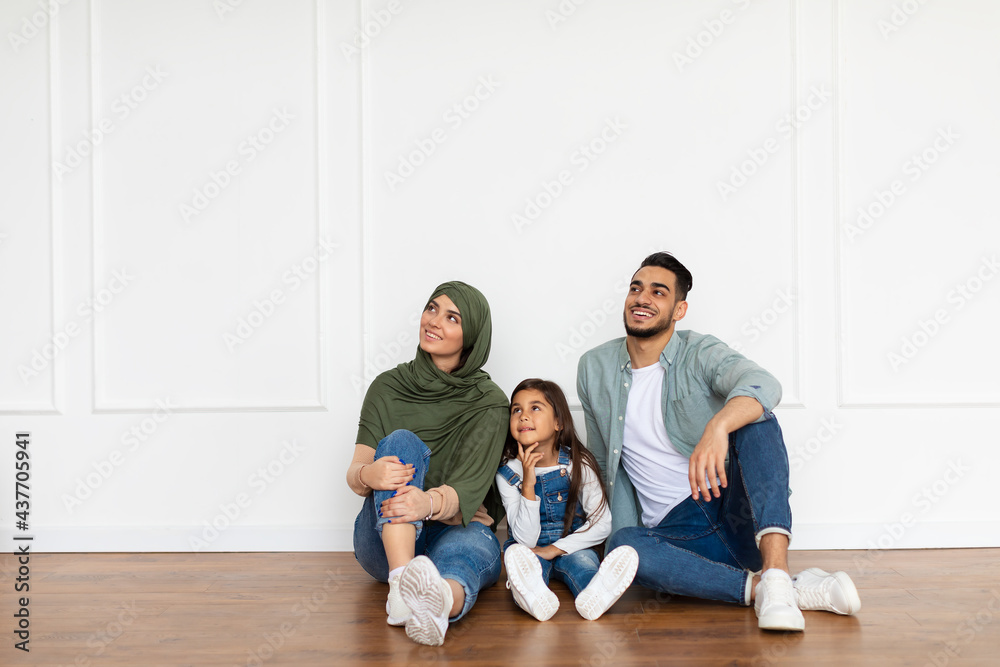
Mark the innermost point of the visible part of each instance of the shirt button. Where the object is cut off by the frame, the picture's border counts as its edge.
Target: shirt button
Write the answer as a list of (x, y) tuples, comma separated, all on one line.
[(626, 384), (620, 418), (616, 451)]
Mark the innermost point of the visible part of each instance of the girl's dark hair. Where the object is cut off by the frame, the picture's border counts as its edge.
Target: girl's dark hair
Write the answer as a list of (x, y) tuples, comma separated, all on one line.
[(566, 439)]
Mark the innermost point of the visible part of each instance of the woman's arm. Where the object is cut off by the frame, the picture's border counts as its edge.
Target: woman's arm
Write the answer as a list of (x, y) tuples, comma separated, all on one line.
[(363, 456), (365, 473), (446, 509)]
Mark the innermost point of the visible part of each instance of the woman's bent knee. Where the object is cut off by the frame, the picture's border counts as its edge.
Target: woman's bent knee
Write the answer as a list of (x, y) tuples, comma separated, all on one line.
[(403, 444)]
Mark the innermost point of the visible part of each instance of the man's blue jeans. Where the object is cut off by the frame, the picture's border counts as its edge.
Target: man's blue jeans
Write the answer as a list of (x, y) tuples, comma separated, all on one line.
[(469, 555), (708, 550)]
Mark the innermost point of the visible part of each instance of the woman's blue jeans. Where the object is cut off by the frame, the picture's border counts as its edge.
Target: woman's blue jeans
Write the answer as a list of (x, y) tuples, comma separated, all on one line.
[(708, 550), (469, 555)]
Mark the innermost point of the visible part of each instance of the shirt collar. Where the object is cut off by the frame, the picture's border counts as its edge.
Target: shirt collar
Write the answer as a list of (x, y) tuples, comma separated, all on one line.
[(670, 351), (624, 361), (666, 357)]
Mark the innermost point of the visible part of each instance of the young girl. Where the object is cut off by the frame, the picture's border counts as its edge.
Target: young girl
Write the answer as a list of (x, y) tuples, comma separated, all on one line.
[(556, 510)]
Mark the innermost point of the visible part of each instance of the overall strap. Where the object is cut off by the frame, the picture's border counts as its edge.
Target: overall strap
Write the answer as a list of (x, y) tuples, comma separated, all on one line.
[(512, 477)]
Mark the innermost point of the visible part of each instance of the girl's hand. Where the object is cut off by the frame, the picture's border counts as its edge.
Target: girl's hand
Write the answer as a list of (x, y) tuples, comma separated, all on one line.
[(548, 552), (529, 457), (408, 504), (387, 474)]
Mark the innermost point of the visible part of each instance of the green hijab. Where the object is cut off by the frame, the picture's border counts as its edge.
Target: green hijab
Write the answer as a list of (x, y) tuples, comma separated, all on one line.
[(462, 417)]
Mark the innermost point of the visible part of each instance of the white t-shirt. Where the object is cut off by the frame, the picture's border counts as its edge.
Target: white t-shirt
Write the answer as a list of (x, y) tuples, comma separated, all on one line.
[(658, 472), (524, 516)]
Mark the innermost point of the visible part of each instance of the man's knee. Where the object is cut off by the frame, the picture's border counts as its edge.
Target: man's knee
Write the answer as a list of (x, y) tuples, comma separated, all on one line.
[(767, 428), (759, 438), (629, 536)]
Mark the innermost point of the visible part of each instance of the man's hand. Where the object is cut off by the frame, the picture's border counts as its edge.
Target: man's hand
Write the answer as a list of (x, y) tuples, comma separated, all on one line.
[(548, 552), (408, 504), (387, 474), (709, 456), (708, 461)]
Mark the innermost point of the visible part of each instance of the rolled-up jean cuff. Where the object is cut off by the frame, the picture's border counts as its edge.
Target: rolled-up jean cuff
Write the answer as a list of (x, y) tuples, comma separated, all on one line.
[(419, 524), (773, 529)]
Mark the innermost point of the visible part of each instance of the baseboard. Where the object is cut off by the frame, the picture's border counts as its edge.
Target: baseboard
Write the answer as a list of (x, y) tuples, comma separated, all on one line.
[(897, 535), (63, 539)]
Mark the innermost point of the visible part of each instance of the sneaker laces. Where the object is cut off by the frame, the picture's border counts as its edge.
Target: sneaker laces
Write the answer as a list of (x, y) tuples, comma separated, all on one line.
[(816, 596), (780, 591)]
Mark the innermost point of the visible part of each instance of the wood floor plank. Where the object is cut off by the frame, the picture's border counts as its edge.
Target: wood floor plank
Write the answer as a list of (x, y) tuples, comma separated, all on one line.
[(939, 607)]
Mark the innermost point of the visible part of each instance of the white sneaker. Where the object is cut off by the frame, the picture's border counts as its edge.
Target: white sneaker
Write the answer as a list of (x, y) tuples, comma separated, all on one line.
[(395, 608), (611, 581), (429, 599), (524, 579), (817, 590), (775, 603)]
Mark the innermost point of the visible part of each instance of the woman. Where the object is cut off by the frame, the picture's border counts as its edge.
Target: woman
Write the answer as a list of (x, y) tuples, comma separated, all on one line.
[(428, 446)]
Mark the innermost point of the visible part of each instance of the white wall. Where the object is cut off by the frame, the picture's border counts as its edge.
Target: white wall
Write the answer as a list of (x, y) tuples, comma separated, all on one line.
[(419, 156)]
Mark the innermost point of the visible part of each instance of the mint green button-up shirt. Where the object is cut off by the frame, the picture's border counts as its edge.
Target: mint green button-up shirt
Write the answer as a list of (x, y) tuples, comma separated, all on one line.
[(702, 374)]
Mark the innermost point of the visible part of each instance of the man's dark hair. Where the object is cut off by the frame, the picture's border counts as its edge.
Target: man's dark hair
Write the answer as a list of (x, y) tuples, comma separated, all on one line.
[(665, 260)]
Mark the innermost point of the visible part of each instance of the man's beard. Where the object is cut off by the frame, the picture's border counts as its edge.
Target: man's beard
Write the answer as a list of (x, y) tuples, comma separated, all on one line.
[(645, 333)]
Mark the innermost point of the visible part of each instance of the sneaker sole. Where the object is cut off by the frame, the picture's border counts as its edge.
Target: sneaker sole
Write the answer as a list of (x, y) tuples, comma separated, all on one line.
[(850, 590), (420, 587), (791, 624), (612, 580), (524, 575)]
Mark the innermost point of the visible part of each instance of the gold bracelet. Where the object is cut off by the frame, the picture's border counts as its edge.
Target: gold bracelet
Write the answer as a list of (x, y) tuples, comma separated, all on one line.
[(361, 481)]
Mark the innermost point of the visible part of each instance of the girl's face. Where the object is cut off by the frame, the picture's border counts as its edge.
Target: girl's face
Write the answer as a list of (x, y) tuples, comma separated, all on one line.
[(441, 333), (532, 419)]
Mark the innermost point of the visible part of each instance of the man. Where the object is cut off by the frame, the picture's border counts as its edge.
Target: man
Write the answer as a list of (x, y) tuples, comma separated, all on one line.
[(694, 461)]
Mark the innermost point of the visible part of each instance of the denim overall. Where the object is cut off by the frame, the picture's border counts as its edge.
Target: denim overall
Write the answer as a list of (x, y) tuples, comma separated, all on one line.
[(552, 489)]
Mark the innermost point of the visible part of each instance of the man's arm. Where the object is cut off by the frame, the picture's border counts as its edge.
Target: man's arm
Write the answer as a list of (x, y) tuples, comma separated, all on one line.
[(730, 374), (708, 460), (750, 392)]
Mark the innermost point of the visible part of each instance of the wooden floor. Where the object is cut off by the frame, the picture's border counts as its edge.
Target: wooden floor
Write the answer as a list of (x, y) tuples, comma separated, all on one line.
[(321, 609)]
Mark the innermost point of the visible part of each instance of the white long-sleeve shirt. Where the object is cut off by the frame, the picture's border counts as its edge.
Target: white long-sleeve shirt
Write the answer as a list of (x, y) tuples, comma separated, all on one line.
[(524, 516)]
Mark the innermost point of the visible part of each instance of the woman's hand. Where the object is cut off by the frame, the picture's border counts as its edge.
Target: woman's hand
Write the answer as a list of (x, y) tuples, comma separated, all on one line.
[(547, 552), (408, 504), (528, 456), (387, 474)]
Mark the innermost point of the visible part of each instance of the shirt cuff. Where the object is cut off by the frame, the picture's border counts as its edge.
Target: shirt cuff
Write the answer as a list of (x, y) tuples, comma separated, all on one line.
[(449, 502)]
